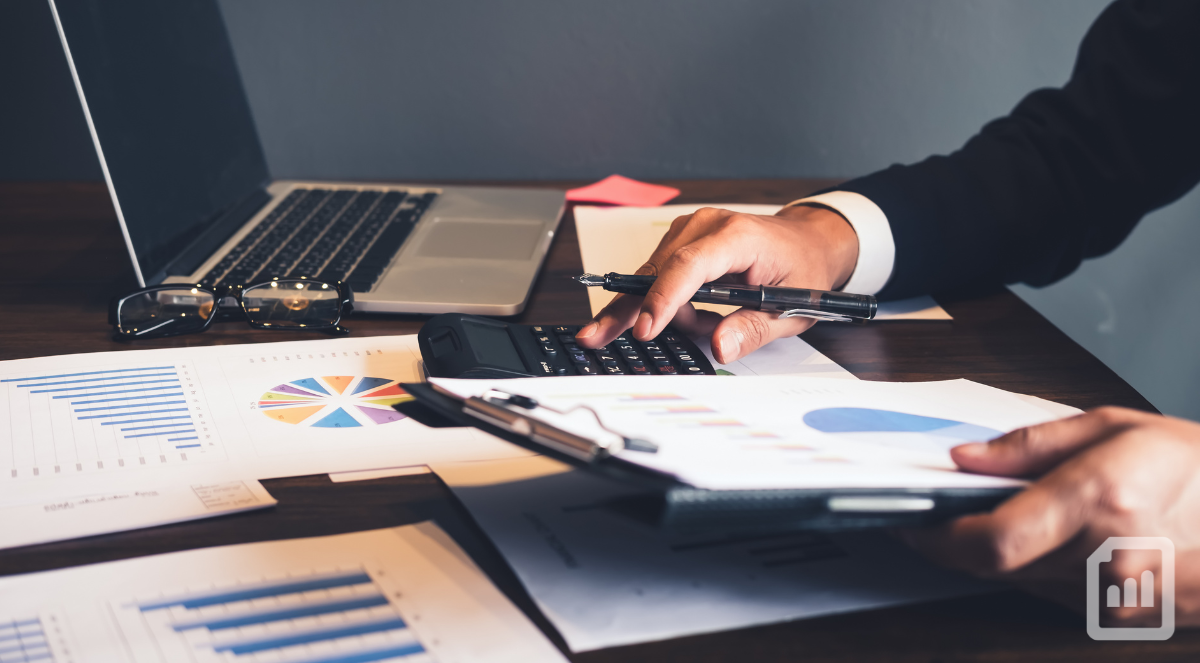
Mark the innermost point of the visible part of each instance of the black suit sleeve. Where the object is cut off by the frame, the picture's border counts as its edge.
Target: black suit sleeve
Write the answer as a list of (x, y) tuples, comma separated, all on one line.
[(1067, 174)]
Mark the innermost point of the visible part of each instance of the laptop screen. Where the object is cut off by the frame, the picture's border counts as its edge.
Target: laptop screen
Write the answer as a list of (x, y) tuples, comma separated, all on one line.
[(170, 117)]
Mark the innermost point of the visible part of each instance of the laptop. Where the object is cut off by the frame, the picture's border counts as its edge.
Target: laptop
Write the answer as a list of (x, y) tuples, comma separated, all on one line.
[(189, 180)]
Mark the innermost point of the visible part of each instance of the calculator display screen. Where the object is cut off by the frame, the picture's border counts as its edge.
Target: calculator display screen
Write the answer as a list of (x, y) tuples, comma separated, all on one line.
[(492, 346)]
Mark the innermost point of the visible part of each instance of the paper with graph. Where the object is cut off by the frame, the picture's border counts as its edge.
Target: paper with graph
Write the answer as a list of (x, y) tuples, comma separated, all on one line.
[(403, 594), (784, 431), (257, 411), (136, 430)]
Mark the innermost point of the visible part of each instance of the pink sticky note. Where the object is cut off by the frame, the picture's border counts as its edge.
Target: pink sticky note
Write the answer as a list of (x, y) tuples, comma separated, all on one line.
[(618, 190)]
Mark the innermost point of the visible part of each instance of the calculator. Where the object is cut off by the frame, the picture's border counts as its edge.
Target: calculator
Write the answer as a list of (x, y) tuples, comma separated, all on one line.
[(456, 345)]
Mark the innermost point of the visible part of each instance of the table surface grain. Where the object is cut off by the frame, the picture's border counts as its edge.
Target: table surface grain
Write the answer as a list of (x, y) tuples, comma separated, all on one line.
[(62, 257)]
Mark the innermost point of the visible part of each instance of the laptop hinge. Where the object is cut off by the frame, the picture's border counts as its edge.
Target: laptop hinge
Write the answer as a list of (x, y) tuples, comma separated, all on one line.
[(220, 228)]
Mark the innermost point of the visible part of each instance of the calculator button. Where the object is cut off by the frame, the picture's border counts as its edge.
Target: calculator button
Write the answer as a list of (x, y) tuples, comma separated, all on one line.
[(651, 346), (549, 350), (658, 356), (677, 348), (543, 339), (631, 357), (622, 339), (579, 358), (562, 330), (666, 370), (693, 369), (639, 370), (587, 369), (537, 331), (560, 371), (605, 357), (669, 338), (661, 362), (566, 338), (685, 359), (613, 370)]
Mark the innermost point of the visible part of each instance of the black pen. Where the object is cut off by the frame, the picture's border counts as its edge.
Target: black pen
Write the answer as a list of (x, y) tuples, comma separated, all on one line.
[(788, 302)]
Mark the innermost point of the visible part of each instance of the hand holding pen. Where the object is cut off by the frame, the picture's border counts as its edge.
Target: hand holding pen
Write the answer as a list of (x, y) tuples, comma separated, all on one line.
[(802, 247)]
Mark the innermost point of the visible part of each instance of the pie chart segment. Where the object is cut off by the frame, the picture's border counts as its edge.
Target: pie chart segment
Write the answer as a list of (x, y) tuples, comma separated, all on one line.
[(334, 401)]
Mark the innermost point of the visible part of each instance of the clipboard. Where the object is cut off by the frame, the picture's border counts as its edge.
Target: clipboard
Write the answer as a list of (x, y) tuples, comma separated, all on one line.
[(663, 501)]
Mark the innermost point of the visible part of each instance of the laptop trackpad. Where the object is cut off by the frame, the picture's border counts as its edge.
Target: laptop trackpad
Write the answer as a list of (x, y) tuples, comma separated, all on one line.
[(477, 238)]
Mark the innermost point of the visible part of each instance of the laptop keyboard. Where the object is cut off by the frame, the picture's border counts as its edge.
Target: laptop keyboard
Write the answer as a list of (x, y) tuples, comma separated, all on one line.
[(331, 235)]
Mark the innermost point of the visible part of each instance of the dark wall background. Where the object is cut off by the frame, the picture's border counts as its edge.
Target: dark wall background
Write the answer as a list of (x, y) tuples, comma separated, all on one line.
[(462, 89), (528, 89), (43, 135)]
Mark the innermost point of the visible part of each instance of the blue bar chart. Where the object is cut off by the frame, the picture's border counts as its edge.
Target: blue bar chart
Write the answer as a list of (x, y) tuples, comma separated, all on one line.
[(24, 640), (339, 616), (103, 418)]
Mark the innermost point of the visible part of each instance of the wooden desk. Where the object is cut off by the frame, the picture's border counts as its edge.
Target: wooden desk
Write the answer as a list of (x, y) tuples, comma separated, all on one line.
[(62, 257)]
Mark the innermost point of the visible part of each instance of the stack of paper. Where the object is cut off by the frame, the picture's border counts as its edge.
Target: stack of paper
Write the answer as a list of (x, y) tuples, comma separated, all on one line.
[(782, 432), (604, 579)]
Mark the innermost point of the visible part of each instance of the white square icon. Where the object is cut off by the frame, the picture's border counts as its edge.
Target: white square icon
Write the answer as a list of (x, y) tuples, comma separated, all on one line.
[(1134, 592)]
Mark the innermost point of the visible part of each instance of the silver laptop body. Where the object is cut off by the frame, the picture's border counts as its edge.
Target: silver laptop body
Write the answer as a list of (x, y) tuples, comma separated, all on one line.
[(474, 250), (176, 141)]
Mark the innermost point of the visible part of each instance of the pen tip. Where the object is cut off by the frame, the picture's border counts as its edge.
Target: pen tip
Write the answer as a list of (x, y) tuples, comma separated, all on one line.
[(590, 279)]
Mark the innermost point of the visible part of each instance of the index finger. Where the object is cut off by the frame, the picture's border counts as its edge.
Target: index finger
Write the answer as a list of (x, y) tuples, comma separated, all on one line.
[(688, 267), (1027, 526)]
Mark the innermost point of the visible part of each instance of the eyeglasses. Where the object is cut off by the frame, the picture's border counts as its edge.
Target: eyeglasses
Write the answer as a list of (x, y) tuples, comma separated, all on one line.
[(172, 309)]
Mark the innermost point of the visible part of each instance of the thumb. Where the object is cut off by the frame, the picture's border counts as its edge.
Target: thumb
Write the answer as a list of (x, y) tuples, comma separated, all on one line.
[(1034, 450), (746, 330)]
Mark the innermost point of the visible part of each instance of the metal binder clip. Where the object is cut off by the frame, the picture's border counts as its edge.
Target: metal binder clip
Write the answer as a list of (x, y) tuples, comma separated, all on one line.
[(504, 399)]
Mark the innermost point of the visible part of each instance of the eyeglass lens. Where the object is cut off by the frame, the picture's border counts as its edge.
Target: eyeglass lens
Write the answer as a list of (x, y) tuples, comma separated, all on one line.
[(292, 303), (174, 311)]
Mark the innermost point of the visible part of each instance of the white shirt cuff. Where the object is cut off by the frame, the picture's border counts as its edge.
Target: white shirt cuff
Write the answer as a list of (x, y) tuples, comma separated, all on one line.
[(876, 248)]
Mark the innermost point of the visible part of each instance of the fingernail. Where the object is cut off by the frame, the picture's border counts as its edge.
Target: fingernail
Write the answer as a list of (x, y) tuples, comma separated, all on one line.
[(644, 323), (973, 449), (731, 343), (588, 330)]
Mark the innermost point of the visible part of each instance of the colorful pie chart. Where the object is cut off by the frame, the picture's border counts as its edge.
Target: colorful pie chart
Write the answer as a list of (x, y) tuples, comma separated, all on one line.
[(334, 401)]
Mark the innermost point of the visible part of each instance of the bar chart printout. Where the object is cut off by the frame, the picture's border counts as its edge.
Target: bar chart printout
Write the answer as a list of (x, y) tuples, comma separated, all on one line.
[(340, 616), (23, 640), (103, 418), (404, 595)]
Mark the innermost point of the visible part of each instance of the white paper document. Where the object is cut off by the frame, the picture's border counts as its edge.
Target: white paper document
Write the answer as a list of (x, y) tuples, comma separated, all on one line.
[(620, 239), (159, 421), (403, 594), (259, 411), (37, 517), (782, 432), (604, 580), (790, 355)]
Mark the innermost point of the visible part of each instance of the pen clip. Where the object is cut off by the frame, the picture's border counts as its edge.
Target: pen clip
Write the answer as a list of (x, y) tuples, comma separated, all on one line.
[(817, 315)]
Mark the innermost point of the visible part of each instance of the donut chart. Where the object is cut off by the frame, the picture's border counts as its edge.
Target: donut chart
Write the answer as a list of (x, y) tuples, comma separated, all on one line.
[(334, 401)]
